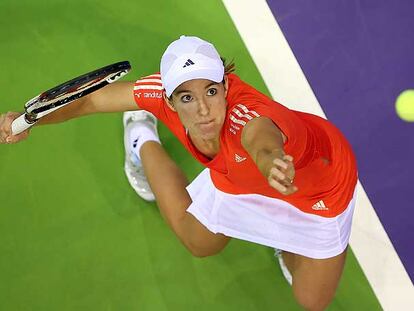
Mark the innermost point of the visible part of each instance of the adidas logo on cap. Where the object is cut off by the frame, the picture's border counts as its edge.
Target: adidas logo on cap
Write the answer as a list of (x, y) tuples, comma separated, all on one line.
[(189, 62)]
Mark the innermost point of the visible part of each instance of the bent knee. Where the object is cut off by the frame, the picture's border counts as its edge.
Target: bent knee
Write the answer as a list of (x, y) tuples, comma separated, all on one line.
[(314, 301), (202, 251), (207, 247)]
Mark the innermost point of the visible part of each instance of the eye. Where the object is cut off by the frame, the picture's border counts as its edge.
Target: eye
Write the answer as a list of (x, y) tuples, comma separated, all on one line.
[(212, 91), (186, 98)]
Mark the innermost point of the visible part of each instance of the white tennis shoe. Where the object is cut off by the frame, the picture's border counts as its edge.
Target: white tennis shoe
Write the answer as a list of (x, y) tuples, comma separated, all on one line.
[(283, 267), (133, 166)]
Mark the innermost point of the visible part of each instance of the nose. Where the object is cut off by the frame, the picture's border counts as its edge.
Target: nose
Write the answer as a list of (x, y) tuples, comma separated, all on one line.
[(203, 107)]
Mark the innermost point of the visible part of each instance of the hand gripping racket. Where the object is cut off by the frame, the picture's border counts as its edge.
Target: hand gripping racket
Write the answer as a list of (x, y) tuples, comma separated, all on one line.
[(65, 93)]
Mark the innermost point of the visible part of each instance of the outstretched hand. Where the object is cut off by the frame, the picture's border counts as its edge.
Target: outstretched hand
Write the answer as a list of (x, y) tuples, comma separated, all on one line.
[(281, 175), (6, 136)]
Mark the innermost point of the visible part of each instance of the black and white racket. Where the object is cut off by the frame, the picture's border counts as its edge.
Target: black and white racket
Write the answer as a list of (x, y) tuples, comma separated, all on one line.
[(65, 93)]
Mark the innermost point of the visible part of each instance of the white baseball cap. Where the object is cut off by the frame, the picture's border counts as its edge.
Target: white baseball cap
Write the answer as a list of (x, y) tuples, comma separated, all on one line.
[(190, 58)]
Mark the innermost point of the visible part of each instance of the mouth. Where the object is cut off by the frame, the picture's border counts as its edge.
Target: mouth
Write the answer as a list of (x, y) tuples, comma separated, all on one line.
[(208, 125), (208, 122)]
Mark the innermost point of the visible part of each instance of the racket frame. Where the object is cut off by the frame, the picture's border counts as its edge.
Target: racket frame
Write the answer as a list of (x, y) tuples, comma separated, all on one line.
[(65, 93)]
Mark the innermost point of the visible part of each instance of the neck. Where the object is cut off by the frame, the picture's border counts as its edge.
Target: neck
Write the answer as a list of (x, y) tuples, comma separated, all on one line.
[(208, 147)]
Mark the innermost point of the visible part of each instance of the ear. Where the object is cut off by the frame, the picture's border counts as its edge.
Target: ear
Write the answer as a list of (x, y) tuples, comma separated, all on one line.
[(168, 102), (226, 84)]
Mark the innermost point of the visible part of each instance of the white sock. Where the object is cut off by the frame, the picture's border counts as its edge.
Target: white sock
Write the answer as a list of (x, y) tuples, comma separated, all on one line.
[(140, 135)]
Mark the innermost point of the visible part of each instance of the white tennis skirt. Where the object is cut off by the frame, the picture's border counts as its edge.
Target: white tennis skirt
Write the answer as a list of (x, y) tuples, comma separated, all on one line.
[(269, 221)]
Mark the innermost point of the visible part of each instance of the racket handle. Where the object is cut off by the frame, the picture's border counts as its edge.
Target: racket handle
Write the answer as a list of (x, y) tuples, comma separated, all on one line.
[(20, 125)]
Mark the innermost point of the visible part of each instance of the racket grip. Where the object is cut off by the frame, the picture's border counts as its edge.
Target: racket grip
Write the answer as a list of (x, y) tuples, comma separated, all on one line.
[(20, 124)]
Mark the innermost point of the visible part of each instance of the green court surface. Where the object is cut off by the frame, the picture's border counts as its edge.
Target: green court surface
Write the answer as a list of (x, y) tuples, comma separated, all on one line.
[(73, 234)]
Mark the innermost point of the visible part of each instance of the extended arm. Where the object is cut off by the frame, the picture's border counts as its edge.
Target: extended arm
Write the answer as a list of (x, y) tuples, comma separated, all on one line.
[(263, 140), (115, 97)]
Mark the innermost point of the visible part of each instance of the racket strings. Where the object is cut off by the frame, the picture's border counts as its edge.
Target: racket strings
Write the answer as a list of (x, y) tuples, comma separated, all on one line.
[(76, 90)]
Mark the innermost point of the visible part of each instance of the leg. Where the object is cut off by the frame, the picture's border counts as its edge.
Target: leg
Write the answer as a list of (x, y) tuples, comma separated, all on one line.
[(168, 183), (314, 280)]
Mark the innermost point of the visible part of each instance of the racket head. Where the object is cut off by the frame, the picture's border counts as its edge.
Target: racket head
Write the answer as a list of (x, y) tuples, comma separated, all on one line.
[(71, 90)]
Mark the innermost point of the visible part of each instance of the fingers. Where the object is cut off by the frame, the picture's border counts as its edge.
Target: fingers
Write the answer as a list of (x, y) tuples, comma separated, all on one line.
[(282, 186), (3, 134), (281, 175), (285, 190), (5, 130), (16, 138), (280, 163), (6, 135), (285, 167), (280, 182)]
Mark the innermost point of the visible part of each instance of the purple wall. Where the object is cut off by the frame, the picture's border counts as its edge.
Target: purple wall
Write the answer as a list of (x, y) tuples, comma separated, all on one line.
[(358, 56)]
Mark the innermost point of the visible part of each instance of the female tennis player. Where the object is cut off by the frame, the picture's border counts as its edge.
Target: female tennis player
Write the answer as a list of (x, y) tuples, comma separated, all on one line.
[(274, 176)]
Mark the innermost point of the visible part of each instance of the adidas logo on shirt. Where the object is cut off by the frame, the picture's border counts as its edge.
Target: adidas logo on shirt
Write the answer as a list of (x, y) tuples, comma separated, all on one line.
[(320, 206), (189, 62), (239, 158)]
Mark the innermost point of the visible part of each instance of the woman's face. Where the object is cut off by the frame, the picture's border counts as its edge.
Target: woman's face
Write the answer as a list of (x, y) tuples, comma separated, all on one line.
[(201, 106)]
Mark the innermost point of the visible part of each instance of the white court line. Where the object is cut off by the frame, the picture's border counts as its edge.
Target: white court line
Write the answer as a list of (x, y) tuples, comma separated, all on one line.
[(287, 84)]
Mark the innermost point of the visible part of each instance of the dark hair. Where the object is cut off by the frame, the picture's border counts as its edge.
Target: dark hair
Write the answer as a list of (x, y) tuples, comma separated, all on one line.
[(228, 67)]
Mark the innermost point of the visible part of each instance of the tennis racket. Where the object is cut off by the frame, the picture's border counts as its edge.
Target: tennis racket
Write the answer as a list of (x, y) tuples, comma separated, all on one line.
[(65, 93)]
